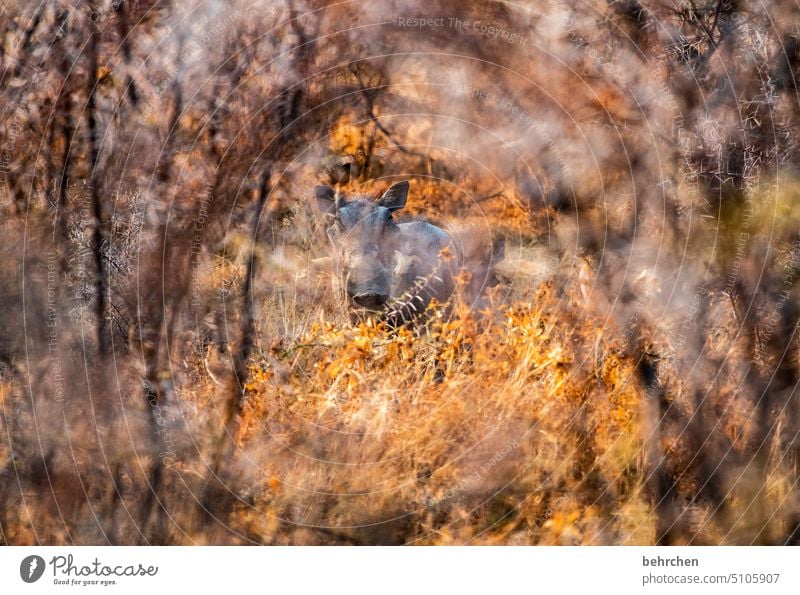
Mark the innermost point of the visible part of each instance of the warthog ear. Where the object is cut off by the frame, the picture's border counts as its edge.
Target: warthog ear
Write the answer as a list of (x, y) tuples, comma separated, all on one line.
[(326, 199), (395, 197)]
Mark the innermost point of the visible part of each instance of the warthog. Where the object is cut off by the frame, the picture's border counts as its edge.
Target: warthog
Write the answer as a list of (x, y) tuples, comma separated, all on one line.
[(390, 270)]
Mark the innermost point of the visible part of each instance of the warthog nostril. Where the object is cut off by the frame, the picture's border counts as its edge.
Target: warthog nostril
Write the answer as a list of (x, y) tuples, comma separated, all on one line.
[(370, 300)]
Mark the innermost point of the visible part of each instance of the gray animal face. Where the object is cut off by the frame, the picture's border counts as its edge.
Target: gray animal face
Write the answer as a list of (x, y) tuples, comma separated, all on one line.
[(365, 238)]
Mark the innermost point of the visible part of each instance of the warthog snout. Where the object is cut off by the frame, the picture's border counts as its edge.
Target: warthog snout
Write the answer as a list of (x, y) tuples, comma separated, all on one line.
[(369, 280)]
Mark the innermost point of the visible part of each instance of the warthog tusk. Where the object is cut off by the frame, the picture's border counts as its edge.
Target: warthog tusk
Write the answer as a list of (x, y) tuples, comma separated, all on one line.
[(404, 262)]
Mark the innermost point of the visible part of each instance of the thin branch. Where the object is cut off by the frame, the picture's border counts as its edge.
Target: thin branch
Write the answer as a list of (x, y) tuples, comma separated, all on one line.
[(98, 236)]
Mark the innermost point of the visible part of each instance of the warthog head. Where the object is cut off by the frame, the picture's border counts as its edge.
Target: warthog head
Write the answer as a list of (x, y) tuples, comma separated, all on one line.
[(380, 260), (363, 234)]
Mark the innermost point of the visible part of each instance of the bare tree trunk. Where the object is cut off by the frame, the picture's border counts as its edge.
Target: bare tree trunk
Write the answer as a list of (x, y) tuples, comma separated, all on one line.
[(98, 238), (27, 38), (156, 338), (660, 486), (64, 111), (123, 27), (232, 416), (236, 399)]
